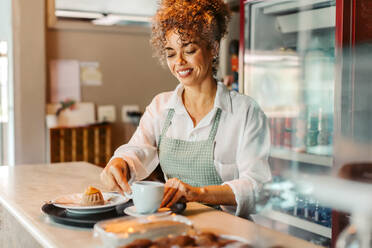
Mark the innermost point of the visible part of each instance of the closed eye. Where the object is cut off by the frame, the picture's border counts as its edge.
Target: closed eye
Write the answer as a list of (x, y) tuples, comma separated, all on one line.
[(191, 52), (169, 52)]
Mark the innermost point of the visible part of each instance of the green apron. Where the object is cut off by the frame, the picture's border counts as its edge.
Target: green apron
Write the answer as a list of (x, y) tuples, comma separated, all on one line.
[(190, 161)]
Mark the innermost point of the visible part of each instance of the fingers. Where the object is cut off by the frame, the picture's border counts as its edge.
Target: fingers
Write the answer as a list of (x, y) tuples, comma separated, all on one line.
[(175, 199), (115, 185), (120, 175), (170, 189), (168, 195), (115, 176), (174, 190), (110, 182)]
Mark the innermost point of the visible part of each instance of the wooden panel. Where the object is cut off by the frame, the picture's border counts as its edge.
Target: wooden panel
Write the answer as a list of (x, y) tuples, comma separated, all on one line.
[(96, 145), (85, 144), (62, 145), (108, 145), (89, 143), (73, 145)]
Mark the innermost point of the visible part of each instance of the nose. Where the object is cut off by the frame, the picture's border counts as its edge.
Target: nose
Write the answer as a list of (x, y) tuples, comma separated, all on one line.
[(180, 60)]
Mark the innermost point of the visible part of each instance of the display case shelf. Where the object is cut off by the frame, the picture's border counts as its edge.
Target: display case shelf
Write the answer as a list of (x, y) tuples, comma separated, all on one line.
[(274, 8), (298, 222), (287, 154)]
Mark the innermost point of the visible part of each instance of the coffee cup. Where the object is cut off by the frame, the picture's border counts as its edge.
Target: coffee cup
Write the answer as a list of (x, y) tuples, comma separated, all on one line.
[(146, 196)]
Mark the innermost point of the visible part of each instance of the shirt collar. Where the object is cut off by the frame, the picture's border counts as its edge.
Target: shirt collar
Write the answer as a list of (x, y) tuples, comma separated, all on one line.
[(222, 100), (175, 102)]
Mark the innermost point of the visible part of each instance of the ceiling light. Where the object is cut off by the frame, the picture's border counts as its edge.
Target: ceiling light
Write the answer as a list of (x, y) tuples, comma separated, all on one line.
[(78, 14), (114, 19)]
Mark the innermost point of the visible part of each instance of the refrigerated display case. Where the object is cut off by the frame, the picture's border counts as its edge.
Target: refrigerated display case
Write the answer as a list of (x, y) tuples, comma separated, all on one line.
[(307, 65), (287, 64)]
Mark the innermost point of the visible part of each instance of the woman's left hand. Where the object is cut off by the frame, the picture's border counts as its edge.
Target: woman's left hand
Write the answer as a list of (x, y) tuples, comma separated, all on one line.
[(177, 191)]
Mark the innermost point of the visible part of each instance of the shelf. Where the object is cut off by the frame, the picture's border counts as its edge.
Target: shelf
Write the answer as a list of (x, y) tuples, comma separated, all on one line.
[(298, 222), (287, 154), (285, 7), (310, 20)]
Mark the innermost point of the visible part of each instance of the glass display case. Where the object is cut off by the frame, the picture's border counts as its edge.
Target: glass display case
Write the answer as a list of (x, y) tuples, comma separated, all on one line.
[(307, 63), (287, 64)]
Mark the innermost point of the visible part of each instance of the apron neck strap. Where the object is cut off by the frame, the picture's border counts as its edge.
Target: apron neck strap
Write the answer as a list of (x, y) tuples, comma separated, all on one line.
[(167, 122), (212, 133)]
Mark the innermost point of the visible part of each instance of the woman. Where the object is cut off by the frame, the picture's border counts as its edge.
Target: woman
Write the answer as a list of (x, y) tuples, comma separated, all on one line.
[(212, 144)]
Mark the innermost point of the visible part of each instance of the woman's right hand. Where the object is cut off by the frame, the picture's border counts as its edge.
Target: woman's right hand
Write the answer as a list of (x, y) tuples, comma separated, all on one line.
[(116, 175)]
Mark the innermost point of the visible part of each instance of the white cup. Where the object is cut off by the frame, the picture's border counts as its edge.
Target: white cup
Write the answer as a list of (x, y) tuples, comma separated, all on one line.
[(147, 196)]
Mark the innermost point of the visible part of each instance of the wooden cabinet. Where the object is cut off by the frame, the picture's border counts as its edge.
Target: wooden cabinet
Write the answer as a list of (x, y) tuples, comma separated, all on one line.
[(88, 143)]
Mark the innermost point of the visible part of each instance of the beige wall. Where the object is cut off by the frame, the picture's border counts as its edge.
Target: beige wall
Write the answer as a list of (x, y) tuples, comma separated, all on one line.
[(130, 74), (29, 80)]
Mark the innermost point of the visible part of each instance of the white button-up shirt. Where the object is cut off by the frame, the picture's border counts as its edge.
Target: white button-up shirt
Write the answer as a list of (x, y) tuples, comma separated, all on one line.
[(242, 142)]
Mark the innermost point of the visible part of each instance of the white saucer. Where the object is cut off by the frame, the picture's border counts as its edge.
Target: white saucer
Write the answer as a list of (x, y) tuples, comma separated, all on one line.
[(132, 212)]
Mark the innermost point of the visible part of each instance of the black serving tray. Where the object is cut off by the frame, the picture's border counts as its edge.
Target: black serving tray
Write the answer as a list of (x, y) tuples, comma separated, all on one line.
[(62, 216)]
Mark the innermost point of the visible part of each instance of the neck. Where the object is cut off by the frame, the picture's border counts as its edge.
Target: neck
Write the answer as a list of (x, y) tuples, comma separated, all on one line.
[(201, 96)]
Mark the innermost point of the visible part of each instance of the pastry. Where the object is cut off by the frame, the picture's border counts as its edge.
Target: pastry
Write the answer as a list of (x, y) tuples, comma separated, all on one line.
[(92, 197), (204, 239), (140, 243), (182, 241)]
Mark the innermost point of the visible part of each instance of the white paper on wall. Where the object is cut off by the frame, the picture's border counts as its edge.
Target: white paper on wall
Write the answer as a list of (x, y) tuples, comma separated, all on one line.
[(90, 74), (64, 80)]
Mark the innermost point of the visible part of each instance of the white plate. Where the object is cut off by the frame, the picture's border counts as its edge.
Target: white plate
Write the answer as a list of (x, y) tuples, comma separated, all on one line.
[(132, 212), (111, 201)]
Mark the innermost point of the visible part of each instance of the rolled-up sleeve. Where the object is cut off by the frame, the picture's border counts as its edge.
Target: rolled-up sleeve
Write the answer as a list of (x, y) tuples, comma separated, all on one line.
[(252, 162)]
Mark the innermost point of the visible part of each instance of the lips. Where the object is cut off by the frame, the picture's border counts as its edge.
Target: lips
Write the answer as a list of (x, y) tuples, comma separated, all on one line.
[(184, 72)]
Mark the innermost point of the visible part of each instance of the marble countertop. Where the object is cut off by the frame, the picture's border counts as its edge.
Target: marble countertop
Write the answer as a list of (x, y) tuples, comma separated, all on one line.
[(25, 188)]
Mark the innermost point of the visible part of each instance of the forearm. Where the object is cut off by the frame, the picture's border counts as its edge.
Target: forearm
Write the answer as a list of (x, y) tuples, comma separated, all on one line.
[(215, 195), (140, 159)]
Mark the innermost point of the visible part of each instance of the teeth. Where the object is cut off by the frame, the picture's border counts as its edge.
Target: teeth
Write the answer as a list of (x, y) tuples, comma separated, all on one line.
[(183, 73)]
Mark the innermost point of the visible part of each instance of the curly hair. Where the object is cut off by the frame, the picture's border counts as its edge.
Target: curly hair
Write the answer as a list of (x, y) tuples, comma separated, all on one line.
[(204, 21)]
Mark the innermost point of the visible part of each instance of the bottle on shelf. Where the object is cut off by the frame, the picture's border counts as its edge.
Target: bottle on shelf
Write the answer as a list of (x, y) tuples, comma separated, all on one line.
[(299, 131), (322, 144), (299, 208), (312, 130), (323, 135), (288, 129), (316, 212)]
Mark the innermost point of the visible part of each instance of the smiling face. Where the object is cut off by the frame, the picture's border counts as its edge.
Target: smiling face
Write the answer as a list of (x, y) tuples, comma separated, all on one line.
[(189, 62)]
